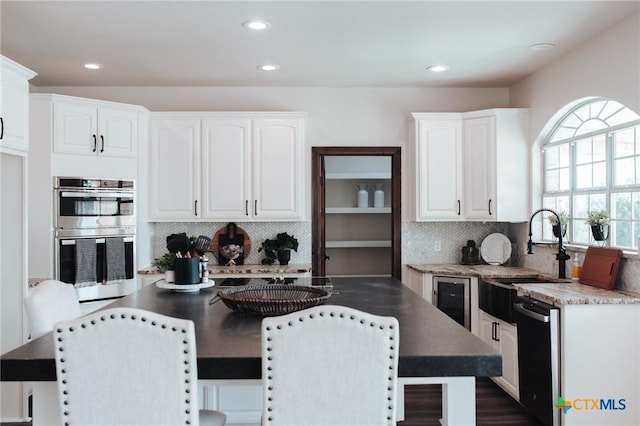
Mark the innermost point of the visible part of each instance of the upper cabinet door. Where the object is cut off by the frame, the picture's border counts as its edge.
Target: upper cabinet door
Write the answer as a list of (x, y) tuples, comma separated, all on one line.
[(480, 200), (278, 147), (438, 157), (174, 180), (226, 168), (497, 165), (118, 132), (75, 129), (86, 129), (14, 106)]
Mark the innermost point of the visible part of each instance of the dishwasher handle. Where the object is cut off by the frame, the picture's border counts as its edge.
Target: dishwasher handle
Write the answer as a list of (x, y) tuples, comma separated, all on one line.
[(533, 315)]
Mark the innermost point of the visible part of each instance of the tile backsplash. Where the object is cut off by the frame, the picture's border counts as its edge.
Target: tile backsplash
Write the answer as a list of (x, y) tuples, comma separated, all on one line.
[(257, 232), (418, 243)]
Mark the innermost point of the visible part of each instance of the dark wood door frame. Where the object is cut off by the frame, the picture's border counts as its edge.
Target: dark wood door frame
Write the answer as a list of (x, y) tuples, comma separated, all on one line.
[(318, 190)]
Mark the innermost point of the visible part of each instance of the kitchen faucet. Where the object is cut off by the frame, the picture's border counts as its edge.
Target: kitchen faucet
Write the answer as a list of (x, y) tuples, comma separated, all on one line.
[(562, 255)]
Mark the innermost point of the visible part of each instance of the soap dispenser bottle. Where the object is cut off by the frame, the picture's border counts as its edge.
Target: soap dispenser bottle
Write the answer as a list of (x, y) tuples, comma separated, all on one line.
[(576, 268)]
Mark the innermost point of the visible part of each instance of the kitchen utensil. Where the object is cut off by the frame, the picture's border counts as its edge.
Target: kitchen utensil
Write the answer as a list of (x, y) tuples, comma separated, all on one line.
[(202, 245), (495, 249), (600, 267), (178, 243)]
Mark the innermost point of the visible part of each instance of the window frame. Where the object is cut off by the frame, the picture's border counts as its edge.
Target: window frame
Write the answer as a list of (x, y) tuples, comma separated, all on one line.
[(568, 194)]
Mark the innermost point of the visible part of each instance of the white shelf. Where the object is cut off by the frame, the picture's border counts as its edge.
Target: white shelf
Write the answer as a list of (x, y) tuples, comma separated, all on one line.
[(357, 210), (357, 244), (371, 175)]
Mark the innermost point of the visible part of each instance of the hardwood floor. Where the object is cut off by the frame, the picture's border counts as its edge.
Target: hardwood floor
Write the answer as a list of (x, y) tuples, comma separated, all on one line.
[(423, 406)]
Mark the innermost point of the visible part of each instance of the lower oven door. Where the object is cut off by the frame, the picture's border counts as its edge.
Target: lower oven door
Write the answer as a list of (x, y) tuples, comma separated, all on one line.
[(105, 268)]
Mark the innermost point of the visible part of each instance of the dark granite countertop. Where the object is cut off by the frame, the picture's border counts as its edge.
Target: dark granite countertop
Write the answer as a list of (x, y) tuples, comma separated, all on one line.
[(431, 344)]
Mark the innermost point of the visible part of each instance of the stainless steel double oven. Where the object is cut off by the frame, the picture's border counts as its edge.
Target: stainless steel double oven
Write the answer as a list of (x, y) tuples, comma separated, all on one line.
[(95, 236)]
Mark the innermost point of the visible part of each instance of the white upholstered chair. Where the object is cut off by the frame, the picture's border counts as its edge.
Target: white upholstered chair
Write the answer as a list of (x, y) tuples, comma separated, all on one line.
[(49, 302), (125, 366), (329, 365)]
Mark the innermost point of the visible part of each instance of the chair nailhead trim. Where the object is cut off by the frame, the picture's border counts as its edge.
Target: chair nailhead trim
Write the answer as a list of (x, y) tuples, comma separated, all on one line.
[(372, 324), (133, 317)]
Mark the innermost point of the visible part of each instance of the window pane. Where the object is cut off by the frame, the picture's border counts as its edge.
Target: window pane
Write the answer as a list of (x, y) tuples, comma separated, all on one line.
[(552, 182), (624, 172), (599, 148), (621, 206), (622, 234), (583, 151), (584, 177), (624, 143), (599, 175)]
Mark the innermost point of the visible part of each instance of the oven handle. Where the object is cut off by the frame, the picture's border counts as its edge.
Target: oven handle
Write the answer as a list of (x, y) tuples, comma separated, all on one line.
[(67, 242), (80, 194), (534, 315)]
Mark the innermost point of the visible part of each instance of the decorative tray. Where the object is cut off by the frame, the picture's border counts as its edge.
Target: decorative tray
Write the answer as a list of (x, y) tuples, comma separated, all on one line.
[(272, 299), (183, 288)]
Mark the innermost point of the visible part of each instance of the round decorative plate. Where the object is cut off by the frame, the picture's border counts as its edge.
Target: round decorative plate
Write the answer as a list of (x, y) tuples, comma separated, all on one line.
[(495, 249), (184, 288)]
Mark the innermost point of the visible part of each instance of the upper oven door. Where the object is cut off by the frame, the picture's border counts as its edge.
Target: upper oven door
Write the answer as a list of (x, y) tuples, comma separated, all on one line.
[(90, 208)]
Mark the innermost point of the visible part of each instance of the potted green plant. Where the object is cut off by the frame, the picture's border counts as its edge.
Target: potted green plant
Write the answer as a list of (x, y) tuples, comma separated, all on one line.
[(559, 228), (279, 248), (165, 263), (599, 221)]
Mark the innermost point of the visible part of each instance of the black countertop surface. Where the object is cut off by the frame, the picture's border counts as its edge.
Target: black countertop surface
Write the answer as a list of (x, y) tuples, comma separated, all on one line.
[(431, 344)]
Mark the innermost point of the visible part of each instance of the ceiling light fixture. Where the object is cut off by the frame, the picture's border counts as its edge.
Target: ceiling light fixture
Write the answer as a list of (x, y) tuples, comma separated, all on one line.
[(268, 67), (256, 25), (542, 46), (438, 68), (93, 66)]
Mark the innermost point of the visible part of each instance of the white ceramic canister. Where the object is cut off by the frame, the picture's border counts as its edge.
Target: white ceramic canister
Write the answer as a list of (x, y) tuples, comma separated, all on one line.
[(378, 196), (362, 195)]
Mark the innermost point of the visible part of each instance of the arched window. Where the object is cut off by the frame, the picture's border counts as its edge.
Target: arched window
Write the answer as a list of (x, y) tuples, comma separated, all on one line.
[(591, 161)]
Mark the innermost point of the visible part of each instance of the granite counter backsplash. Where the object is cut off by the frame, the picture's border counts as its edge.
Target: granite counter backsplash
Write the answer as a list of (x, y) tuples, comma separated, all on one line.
[(248, 269), (577, 294), (566, 292)]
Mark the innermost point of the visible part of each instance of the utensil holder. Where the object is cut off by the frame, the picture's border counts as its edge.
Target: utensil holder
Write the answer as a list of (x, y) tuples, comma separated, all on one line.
[(187, 271)]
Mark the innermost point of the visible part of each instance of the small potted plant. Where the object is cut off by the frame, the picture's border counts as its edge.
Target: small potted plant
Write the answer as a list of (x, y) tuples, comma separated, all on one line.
[(165, 263), (280, 249), (559, 228), (599, 221)]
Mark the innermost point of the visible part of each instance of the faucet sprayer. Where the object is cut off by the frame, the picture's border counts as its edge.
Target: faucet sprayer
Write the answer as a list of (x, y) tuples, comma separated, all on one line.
[(562, 255)]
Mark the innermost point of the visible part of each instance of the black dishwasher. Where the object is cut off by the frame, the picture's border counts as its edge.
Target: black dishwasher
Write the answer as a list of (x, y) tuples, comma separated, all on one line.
[(538, 358)]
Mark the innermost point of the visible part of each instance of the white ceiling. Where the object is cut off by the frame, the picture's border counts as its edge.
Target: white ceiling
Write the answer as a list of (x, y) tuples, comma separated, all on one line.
[(316, 43)]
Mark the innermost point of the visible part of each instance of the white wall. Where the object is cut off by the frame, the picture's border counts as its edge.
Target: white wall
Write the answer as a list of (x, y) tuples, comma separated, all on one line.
[(609, 66)]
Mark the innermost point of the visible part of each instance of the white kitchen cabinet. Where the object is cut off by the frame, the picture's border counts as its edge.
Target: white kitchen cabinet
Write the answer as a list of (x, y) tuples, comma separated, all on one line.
[(14, 107), (227, 166), (437, 153), (254, 168), (174, 166), (87, 128), (503, 337), (496, 165)]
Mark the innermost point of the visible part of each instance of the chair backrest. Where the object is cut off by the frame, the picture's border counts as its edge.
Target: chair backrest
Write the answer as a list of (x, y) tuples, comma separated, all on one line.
[(329, 365), (49, 302), (126, 366)]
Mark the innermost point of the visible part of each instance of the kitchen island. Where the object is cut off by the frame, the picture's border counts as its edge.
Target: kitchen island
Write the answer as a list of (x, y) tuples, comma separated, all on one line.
[(433, 347)]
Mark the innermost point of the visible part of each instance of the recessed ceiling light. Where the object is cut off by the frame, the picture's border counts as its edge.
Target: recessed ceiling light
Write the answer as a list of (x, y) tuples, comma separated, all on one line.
[(93, 66), (256, 25), (268, 67), (542, 46), (438, 68)]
